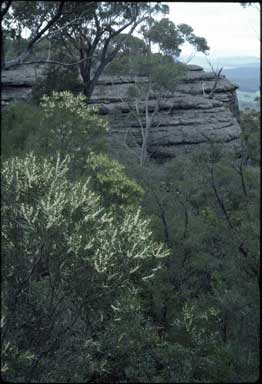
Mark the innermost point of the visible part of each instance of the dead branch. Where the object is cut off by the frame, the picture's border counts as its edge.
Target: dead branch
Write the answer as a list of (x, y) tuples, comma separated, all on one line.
[(217, 73)]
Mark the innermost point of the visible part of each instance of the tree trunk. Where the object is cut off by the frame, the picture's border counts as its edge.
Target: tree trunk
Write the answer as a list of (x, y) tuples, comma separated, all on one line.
[(90, 82), (2, 51), (145, 137)]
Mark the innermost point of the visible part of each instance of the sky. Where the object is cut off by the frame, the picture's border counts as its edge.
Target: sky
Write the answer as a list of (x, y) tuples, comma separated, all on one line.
[(229, 29)]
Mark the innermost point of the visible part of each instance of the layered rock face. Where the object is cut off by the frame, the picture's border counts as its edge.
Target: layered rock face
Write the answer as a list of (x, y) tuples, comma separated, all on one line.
[(16, 84), (187, 119)]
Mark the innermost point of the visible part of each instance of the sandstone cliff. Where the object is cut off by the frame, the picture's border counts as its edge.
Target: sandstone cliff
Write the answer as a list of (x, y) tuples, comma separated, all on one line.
[(188, 118)]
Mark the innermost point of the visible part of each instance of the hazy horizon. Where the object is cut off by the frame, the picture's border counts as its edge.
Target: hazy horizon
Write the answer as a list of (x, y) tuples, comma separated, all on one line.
[(226, 61)]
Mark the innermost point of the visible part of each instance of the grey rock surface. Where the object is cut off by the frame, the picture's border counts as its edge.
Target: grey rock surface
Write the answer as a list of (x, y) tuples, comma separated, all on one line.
[(16, 84), (187, 120)]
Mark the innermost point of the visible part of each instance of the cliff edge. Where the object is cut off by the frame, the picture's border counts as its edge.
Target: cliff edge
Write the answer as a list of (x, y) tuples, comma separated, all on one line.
[(187, 118)]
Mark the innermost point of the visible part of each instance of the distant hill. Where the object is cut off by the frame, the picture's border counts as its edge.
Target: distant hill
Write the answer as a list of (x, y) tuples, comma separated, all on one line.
[(238, 61), (248, 78), (247, 100), (227, 62)]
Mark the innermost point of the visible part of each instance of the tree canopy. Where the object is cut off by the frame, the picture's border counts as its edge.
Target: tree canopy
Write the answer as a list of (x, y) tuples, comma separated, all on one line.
[(93, 32)]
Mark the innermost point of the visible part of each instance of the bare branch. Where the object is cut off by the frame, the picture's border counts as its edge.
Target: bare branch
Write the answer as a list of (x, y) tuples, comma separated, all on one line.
[(54, 62), (49, 24), (60, 29), (162, 216), (98, 27), (41, 22), (39, 34), (118, 46), (139, 119), (217, 73), (217, 77), (220, 202)]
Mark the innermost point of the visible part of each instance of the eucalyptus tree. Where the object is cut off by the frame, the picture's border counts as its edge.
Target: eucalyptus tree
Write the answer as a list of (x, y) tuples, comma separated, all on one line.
[(91, 38), (37, 16), (85, 28)]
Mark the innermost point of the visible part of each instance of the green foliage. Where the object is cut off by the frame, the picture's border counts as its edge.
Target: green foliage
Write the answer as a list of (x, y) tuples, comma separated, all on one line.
[(72, 273), (19, 121), (56, 79), (88, 292), (136, 57), (165, 34), (161, 70), (130, 45), (251, 135), (166, 75), (109, 181), (170, 37), (206, 208), (13, 44), (69, 126), (199, 43), (70, 122), (62, 123), (30, 14)]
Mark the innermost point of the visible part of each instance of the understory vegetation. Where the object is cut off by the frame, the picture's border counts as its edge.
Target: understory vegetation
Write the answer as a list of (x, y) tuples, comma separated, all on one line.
[(117, 269), (89, 292)]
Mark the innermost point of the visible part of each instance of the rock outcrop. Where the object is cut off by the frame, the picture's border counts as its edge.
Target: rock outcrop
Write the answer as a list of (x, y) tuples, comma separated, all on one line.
[(187, 120), (16, 84)]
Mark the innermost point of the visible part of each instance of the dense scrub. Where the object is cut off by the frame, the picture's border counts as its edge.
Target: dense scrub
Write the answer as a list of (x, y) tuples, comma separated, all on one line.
[(88, 292)]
